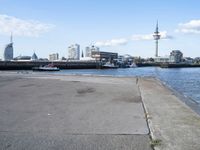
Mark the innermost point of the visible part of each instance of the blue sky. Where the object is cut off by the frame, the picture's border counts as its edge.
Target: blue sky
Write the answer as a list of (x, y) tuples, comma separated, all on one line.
[(48, 26)]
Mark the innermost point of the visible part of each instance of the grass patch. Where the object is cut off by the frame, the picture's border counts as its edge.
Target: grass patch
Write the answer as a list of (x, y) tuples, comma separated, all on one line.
[(156, 142)]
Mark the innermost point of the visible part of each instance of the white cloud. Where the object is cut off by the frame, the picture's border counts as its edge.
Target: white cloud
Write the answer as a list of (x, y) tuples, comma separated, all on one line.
[(165, 35), (20, 27), (136, 37), (113, 42), (139, 37), (192, 26)]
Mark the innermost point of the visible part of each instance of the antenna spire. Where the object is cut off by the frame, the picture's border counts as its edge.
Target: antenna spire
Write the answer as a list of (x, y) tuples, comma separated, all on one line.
[(11, 38), (157, 27)]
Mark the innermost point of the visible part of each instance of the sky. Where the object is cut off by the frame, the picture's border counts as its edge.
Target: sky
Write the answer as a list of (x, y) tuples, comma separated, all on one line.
[(122, 26)]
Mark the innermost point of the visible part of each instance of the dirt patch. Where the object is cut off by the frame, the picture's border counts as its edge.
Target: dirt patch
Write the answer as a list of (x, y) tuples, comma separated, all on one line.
[(86, 90), (128, 100), (27, 85), (75, 81)]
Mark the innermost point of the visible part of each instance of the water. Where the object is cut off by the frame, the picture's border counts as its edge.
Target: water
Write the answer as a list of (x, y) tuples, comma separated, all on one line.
[(184, 80)]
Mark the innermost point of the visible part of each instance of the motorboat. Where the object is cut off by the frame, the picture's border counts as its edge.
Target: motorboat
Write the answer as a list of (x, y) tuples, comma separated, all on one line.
[(109, 65), (49, 67), (133, 65)]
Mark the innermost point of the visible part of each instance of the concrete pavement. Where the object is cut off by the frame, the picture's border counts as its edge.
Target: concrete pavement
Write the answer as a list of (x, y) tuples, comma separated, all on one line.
[(71, 112), (40, 111), (173, 125)]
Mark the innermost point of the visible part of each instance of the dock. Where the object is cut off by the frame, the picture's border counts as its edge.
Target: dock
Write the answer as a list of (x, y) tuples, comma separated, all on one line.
[(79, 112)]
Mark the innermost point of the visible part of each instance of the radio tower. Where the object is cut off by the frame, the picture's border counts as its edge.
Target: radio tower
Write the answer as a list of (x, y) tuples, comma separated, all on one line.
[(156, 38)]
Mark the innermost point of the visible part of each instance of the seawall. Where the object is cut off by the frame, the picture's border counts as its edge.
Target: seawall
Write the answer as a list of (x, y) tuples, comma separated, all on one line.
[(173, 124), (28, 65)]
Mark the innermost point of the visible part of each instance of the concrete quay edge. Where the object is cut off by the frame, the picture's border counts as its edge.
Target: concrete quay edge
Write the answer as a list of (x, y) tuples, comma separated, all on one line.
[(173, 125)]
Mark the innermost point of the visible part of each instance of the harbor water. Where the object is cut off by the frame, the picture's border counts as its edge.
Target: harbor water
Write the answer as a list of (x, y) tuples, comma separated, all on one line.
[(185, 81)]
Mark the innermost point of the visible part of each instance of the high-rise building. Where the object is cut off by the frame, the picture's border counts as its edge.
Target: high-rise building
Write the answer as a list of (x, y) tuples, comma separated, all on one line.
[(176, 56), (74, 52), (88, 50), (8, 51), (54, 56)]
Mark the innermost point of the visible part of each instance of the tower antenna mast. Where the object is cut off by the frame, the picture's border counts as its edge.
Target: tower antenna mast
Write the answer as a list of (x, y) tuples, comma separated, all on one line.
[(156, 36)]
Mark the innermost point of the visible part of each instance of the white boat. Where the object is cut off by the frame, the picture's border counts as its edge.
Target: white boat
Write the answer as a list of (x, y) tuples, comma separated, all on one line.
[(49, 67), (133, 65), (109, 65)]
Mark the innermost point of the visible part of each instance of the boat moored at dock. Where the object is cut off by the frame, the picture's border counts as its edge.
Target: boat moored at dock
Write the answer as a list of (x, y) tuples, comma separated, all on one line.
[(49, 67)]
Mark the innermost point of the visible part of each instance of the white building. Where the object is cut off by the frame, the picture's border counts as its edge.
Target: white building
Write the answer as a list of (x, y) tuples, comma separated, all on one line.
[(125, 58), (88, 50), (165, 59), (74, 52), (54, 56), (188, 60), (8, 52), (176, 56)]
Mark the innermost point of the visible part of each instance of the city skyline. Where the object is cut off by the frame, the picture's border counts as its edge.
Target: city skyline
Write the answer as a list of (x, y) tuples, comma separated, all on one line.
[(123, 27)]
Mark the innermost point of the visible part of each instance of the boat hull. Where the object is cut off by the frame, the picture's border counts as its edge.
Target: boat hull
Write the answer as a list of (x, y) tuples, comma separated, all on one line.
[(109, 67), (45, 69)]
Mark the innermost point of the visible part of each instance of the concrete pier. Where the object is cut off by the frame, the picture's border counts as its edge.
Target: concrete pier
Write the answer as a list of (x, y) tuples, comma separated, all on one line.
[(40, 111), (71, 112), (173, 125)]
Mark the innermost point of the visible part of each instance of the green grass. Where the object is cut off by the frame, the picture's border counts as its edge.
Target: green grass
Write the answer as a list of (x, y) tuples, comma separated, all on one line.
[(156, 142)]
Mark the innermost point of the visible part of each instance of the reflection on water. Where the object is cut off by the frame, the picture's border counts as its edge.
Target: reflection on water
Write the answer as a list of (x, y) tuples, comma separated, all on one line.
[(183, 80)]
